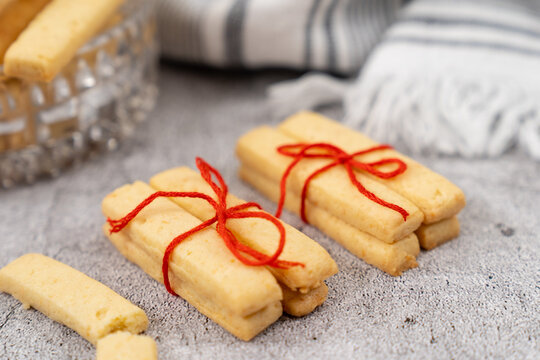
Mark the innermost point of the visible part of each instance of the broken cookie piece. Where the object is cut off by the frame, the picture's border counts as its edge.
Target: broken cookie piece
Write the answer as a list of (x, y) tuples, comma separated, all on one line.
[(123, 345), (70, 297)]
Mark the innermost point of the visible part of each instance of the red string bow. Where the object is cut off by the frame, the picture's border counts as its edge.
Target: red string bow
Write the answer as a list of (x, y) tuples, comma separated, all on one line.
[(222, 215), (339, 157)]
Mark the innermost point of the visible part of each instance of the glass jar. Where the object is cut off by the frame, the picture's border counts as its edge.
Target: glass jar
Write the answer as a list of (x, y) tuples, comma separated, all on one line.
[(96, 100)]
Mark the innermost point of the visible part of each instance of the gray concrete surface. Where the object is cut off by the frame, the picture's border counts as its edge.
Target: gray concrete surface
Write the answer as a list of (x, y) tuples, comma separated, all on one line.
[(475, 297)]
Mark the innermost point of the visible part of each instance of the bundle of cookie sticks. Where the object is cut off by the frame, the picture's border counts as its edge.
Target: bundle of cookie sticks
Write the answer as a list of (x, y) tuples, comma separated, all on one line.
[(242, 298), (376, 234)]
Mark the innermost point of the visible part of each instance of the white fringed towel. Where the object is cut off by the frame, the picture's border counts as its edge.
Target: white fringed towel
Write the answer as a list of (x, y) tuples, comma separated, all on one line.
[(456, 78)]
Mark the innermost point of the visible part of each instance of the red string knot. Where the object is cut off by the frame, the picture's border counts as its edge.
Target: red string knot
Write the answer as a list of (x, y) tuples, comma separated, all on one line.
[(223, 213), (338, 156)]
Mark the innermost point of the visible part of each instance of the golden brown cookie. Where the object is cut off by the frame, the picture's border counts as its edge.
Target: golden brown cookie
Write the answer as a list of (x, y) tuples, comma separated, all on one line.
[(14, 18), (433, 235), (51, 39), (4, 4), (298, 304)]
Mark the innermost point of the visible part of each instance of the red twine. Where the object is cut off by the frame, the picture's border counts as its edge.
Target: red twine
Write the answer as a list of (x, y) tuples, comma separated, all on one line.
[(222, 215), (339, 157)]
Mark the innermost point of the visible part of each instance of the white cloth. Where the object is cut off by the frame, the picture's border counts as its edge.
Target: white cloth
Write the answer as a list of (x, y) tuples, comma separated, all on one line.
[(329, 35), (456, 78)]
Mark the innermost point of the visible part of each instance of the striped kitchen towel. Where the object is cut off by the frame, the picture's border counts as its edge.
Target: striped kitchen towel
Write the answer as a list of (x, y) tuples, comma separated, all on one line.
[(329, 35), (454, 77)]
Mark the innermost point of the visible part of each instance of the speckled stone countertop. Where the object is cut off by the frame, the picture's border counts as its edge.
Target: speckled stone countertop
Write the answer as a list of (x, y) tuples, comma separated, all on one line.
[(475, 297)]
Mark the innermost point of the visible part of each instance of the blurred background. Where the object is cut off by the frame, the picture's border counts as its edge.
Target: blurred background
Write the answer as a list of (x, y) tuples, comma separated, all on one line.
[(429, 76)]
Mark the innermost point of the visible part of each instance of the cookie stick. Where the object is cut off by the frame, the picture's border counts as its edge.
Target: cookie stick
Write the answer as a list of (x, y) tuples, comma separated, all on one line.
[(50, 41), (436, 196), (122, 345), (390, 258), (70, 297), (433, 235), (298, 304), (207, 274), (256, 233), (331, 190), (14, 18)]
